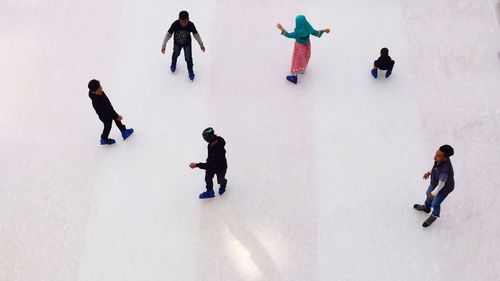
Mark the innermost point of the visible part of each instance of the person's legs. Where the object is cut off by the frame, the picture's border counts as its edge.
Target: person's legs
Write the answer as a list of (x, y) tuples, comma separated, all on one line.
[(189, 58), (222, 181), (307, 57), (209, 175), (436, 204), (120, 125), (221, 178), (175, 54), (428, 202), (107, 128), (300, 58), (374, 70), (389, 70)]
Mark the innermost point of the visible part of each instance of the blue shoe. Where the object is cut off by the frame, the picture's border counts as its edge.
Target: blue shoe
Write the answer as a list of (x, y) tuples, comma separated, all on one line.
[(126, 133), (375, 73), (292, 78), (388, 73), (207, 194), (172, 68), (108, 141), (191, 76), (222, 190)]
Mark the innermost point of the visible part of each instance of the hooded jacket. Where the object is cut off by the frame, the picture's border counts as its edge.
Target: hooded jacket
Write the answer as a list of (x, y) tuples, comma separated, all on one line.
[(216, 159)]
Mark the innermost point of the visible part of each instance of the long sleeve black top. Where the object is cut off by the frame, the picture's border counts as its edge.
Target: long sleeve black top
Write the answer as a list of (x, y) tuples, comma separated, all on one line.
[(216, 159), (103, 106)]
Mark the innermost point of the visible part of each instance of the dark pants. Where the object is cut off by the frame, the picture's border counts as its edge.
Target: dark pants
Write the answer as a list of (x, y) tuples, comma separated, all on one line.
[(107, 127), (436, 202), (187, 56), (221, 178)]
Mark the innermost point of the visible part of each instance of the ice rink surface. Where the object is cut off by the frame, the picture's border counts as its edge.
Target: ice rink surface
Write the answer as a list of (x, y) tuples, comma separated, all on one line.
[(322, 175)]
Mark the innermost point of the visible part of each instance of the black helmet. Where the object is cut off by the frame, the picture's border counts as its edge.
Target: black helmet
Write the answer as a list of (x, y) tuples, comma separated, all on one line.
[(208, 134)]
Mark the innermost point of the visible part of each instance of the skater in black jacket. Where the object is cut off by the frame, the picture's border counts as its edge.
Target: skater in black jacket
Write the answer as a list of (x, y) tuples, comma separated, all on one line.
[(106, 113), (384, 62), (216, 163), (181, 29), (442, 183)]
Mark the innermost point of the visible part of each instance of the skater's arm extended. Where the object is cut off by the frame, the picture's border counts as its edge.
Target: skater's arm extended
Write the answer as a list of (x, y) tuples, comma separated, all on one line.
[(209, 165), (202, 166), (198, 39), (317, 33), (289, 34), (165, 40)]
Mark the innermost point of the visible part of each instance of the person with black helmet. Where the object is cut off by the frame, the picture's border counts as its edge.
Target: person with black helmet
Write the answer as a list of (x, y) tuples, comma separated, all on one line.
[(216, 163), (181, 29), (106, 113), (442, 183)]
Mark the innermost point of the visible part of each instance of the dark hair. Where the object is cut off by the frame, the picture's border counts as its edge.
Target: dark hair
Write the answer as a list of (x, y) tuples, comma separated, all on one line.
[(447, 150), (183, 15), (94, 85), (384, 52)]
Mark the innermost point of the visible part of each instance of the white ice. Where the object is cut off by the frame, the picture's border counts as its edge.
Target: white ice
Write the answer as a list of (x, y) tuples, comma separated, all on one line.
[(322, 175)]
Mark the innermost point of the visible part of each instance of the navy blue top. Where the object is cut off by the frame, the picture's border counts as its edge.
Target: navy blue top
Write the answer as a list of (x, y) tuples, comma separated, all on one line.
[(443, 171)]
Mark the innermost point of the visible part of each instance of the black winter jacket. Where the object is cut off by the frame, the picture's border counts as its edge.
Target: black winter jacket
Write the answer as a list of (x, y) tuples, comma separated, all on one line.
[(103, 106), (216, 159), (384, 63)]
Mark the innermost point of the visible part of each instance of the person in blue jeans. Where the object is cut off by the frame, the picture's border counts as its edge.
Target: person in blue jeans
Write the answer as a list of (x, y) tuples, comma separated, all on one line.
[(442, 183), (181, 29)]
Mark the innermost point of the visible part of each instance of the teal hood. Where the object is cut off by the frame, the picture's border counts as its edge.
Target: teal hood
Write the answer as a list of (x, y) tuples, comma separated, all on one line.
[(302, 27), (303, 30)]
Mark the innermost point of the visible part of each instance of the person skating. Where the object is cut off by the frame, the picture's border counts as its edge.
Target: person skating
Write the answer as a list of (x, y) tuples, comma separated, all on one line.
[(216, 163), (302, 47), (181, 29), (442, 183), (106, 113), (384, 62)]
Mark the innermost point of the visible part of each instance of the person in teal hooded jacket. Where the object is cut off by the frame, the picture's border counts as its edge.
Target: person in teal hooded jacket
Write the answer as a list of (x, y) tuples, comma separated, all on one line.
[(302, 48)]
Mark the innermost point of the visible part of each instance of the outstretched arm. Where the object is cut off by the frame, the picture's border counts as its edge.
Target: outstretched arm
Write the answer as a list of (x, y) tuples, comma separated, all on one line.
[(198, 39), (318, 33), (285, 33), (165, 40)]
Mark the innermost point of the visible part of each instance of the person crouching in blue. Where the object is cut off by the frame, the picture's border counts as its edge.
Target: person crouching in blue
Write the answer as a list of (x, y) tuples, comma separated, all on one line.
[(384, 63)]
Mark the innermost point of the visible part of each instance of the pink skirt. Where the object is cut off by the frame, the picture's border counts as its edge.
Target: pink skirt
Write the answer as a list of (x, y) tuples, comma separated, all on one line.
[(300, 58)]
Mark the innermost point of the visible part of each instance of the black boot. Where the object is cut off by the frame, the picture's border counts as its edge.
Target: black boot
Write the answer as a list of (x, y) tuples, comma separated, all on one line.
[(429, 221), (422, 208)]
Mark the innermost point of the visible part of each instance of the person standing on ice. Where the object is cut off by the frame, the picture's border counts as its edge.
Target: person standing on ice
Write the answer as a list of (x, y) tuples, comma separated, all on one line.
[(106, 113), (302, 48), (442, 183), (182, 29), (216, 163), (384, 62)]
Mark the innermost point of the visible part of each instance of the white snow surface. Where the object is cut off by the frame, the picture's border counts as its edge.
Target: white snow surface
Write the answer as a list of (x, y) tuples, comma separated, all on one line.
[(322, 175)]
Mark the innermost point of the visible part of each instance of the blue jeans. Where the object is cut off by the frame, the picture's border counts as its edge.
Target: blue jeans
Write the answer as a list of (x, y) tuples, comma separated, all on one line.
[(436, 202), (187, 56)]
